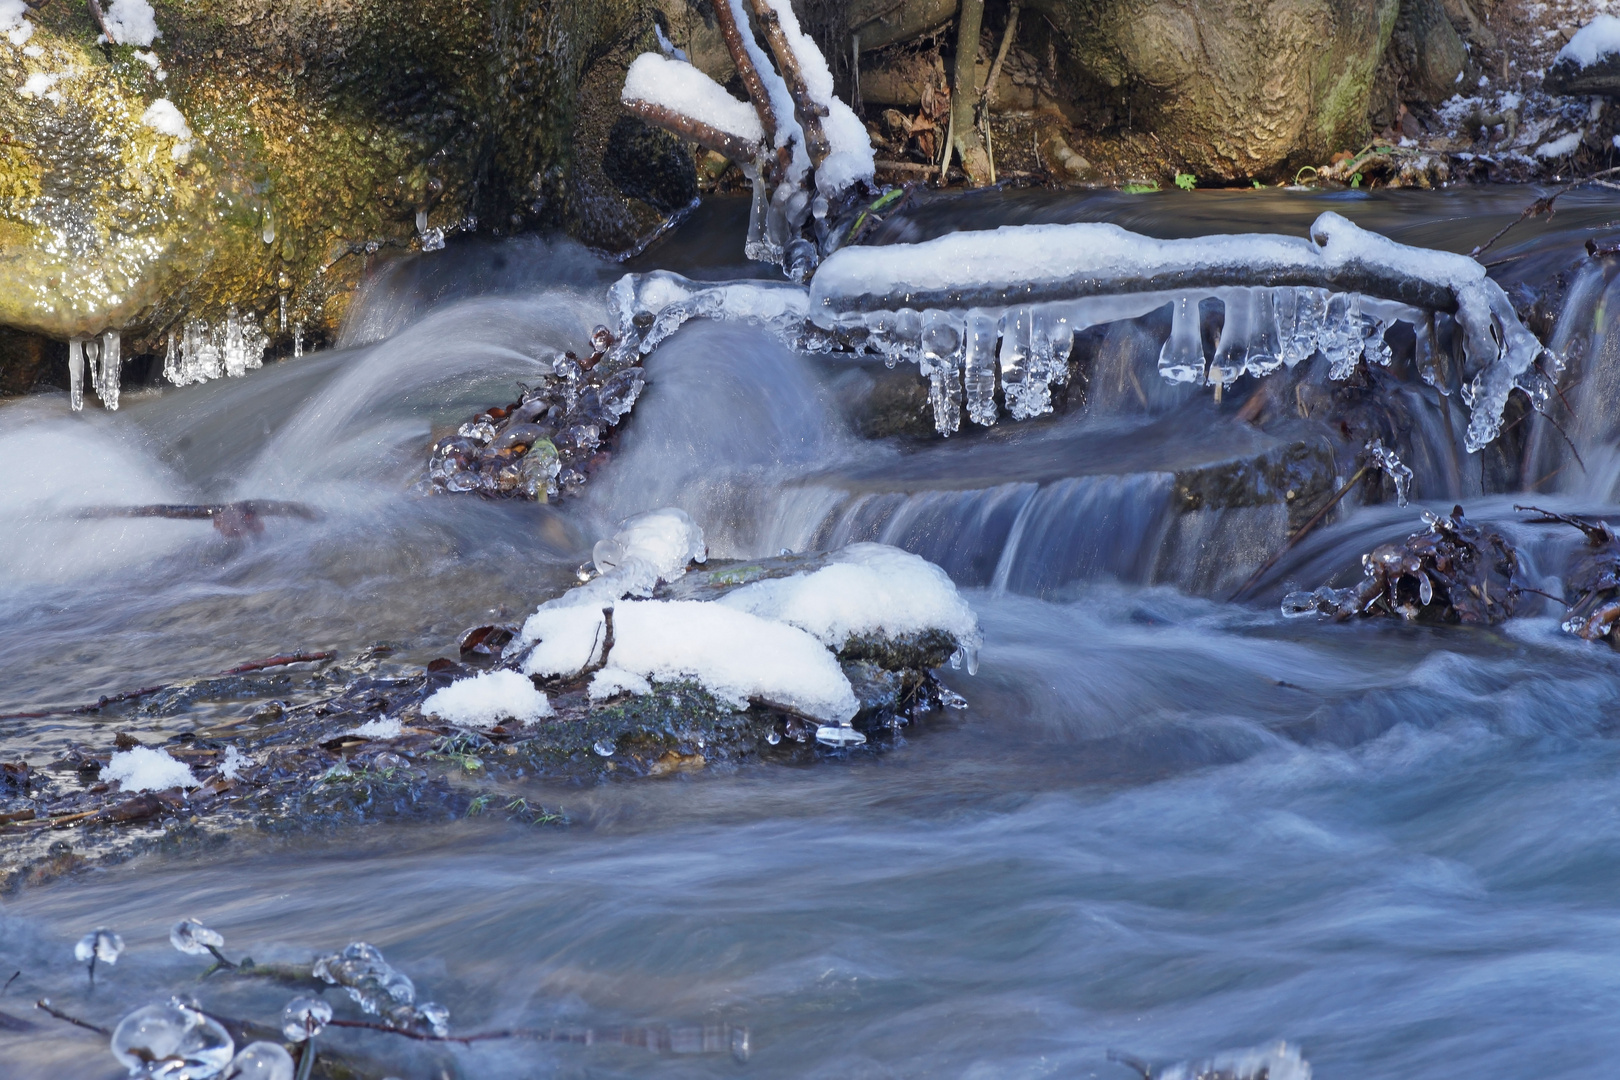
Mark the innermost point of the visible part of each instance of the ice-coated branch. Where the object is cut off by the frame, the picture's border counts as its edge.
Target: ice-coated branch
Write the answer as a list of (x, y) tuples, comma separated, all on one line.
[(748, 73), (806, 108)]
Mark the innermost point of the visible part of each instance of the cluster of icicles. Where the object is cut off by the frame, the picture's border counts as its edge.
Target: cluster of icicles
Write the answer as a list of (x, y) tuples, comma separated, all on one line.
[(966, 353), (197, 354)]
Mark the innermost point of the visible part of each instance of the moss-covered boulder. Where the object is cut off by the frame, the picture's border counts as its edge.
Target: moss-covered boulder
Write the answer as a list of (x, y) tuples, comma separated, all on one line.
[(261, 152), (1236, 88)]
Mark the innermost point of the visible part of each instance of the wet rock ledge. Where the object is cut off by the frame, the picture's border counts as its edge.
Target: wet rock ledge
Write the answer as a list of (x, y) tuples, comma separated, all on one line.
[(661, 664)]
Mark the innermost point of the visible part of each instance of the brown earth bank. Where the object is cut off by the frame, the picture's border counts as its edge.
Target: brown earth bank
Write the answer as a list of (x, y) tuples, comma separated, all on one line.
[(321, 136)]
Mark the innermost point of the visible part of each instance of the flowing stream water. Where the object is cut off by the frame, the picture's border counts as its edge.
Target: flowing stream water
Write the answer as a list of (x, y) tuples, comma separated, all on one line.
[(1167, 824)]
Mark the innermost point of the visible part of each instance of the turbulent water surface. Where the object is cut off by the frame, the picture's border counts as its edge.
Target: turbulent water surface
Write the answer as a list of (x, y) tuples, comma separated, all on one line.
[(1167, 824)]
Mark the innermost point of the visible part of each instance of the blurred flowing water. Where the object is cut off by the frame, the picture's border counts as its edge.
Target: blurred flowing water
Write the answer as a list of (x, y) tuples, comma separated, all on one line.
[(1167, 824)]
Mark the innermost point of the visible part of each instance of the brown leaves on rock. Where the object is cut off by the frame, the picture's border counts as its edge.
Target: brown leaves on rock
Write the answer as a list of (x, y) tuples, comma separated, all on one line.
[(1592, 578), (1452, 572)]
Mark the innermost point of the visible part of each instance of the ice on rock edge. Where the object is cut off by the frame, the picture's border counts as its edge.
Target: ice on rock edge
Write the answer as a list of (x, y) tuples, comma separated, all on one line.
[(145, 769), (613, 681), (678, 86), (201, 352), (487, 699)]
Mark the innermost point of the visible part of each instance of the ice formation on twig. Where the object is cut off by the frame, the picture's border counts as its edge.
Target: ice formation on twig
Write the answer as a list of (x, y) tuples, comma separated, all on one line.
[(806, 151), (978, 311)]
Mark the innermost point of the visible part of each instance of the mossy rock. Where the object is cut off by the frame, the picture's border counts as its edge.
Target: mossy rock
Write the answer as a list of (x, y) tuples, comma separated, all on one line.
[(320, 134)]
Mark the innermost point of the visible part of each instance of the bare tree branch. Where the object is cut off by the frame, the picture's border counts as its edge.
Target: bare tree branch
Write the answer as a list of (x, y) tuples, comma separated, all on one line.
[(751, 81), (1543, 205), (707, 135), (808, 110), (101, 19)]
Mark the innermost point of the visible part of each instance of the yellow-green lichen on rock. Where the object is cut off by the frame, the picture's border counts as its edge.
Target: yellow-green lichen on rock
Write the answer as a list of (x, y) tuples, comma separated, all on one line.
[(259, 154)]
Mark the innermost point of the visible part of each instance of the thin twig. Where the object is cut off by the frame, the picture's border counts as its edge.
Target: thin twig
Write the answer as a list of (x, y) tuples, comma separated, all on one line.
[(9, 981), (1300, 534), (988, 94), (45, 1004), (1543, 205), (101, 20)]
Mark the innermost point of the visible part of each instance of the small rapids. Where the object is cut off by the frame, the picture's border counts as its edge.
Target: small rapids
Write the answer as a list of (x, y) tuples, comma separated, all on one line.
[(1167, 825)]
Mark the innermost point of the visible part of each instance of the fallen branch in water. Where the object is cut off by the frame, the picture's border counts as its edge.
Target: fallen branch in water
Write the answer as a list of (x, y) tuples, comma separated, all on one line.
[(1544, 205), (281, 660)]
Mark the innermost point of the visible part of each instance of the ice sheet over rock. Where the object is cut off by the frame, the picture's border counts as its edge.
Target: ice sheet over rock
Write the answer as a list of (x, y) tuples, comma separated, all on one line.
[(677, 85), (487, 699)]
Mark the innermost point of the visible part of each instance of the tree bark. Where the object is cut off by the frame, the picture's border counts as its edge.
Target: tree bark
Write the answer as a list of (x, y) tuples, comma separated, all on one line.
[(965, 93)]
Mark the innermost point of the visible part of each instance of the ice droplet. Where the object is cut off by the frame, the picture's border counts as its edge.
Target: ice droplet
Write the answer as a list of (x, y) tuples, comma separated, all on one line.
[(304, 1017), (435, 1016), (261, 1061), (604, 747), (774, 737), (838, 735), (193, 938), (173, 1041), (102, 944)]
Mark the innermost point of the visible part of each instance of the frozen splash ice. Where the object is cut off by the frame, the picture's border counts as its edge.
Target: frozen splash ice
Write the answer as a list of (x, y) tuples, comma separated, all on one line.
[(193, 938), (305, 1017), (174, 1041), (1394, 467), (260, 1061)]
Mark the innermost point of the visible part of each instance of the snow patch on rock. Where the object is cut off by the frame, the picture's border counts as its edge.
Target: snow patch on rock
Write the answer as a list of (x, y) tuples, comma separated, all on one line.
[(145, 769), (487, 699)]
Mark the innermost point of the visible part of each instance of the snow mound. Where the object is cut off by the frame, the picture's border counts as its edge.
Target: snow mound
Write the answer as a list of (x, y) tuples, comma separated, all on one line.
[(12, 24), (486, 699), (145, 769), (648, 548), (1592, 42), (612, 681), (677, 85), (735, 655), (867, 589), (131, 22)]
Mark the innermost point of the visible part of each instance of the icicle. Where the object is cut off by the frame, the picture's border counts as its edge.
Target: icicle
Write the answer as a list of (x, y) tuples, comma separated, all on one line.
[(1310, 312), (298, 340), (1334, 338), (235, 351), (92, 362), (1182, 358), (282, 310), (1373, 346), (1015, 363), (269, 232), (1232, 350), (1424, 353), (111, 369), (1397, 470), (171, 362), (76, 373), (1265, 345), (758, 246), (979, 367), (942, 356), (1049, 342)]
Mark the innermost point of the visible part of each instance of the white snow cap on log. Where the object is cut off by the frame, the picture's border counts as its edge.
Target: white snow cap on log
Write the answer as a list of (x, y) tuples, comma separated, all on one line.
[(1592, 42), (682, 88)]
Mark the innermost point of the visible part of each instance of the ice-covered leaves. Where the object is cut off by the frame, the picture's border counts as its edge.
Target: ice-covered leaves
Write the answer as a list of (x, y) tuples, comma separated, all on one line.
[(549, 440), (1453, 571)]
